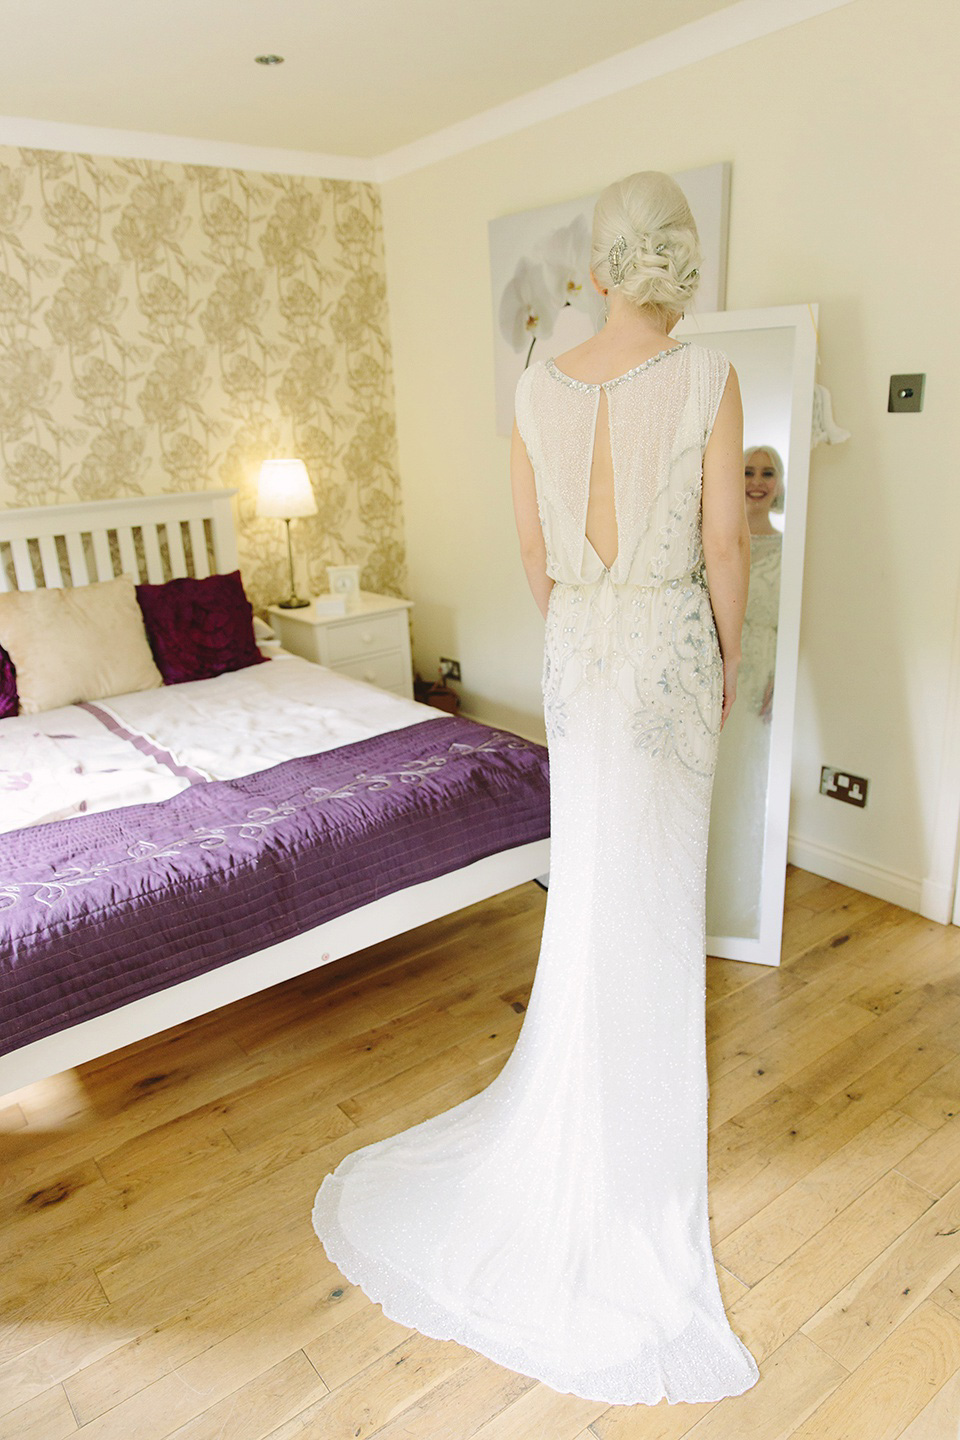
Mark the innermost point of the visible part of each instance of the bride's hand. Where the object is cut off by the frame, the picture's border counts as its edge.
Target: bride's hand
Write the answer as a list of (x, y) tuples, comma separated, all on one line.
[(730, 668)]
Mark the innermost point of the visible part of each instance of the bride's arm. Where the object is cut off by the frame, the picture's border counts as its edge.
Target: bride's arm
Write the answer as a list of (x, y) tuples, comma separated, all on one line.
[(726, 535), (533, 550)]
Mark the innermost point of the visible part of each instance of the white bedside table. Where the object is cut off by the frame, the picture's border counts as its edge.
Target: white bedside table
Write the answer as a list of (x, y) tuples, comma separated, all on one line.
[(370, 642)]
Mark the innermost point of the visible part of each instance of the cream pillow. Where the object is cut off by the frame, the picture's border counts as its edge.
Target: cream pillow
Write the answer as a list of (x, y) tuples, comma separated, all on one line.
[(78, 644)]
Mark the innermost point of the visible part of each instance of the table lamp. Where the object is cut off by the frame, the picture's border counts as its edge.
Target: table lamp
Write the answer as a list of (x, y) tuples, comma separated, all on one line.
[(284, 492)]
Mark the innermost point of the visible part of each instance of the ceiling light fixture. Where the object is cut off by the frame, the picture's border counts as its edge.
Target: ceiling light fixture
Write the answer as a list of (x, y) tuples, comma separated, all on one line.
[(269, 59)]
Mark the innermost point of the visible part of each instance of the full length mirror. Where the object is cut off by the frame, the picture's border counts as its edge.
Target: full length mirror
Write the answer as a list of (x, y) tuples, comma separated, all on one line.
[(774, 354)]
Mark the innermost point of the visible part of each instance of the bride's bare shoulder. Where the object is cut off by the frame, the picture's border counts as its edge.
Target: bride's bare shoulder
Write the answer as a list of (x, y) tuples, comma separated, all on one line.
[(584, 351)]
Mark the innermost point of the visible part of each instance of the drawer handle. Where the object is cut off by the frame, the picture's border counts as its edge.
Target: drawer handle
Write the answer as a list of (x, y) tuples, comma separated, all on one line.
[(366, 636), (369, 675)]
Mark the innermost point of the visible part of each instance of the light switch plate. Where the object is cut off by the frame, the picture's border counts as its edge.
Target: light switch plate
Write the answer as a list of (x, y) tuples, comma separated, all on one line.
[(906, 393)]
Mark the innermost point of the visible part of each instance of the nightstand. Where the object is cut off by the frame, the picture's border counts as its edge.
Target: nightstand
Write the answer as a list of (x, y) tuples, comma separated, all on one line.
[(370, 642)]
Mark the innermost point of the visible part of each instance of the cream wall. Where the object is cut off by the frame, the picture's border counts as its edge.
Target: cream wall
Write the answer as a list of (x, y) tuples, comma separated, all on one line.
[(842, 136)]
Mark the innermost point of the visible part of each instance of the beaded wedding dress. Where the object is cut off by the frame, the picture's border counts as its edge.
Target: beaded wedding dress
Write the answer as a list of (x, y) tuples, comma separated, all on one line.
[(557, 1221)]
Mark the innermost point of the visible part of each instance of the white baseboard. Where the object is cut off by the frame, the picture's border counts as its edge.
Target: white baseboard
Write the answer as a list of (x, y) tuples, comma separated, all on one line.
[(905, 890), (936, 902)]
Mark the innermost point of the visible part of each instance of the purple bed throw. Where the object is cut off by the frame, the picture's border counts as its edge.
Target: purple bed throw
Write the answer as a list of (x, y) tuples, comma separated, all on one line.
[(100, 910)]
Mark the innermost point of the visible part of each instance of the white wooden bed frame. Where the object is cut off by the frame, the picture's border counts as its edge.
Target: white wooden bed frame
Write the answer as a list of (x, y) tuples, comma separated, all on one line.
[(60, 545)]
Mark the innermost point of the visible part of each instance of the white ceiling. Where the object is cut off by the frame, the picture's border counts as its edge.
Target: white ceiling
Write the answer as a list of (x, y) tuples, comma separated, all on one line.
[(360, 78)]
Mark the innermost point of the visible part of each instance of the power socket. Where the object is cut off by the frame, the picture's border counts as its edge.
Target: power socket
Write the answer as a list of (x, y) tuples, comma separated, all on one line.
[(841, 785), (449, 669)]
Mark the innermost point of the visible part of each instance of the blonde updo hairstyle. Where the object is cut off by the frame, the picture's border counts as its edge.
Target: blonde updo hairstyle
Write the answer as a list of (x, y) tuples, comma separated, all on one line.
[(661, 262)]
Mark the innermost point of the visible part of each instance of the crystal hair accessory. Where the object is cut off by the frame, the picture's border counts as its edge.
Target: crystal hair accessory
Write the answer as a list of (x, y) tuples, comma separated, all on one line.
[(615, 260), (659, 250), (618, 265)]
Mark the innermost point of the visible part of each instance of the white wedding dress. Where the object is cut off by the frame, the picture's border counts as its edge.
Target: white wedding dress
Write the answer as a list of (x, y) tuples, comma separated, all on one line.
[(557, 1221)]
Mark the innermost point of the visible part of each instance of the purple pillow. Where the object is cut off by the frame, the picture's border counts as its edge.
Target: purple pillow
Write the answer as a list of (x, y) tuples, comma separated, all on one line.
[(199, 628), (9, 699)]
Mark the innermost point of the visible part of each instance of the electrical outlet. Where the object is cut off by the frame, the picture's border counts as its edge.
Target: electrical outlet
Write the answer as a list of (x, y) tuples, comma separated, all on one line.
[(841, 785), (449, 669)]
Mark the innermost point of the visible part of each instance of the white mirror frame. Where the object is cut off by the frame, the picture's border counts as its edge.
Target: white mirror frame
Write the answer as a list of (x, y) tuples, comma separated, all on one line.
[(803, 320)]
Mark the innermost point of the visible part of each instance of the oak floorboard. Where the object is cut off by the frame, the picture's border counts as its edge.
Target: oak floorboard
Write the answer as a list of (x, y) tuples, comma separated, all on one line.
[(934, 1163), (803, 1286), (891, 1389), (46, 1417), (254, 1409), (135, 1353), (868, 1309), (162, 1277), (391, 1385), (940, 1417)]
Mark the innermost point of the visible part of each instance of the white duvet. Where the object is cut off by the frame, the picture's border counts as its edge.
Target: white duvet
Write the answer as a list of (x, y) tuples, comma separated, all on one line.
[(149, 746)]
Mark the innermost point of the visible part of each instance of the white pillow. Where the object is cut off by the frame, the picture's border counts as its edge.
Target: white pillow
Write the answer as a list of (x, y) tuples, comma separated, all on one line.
[(77, 644)]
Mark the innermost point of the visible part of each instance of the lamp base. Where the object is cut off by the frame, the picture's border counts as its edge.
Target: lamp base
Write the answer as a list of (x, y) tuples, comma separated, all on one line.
[(293, 601)]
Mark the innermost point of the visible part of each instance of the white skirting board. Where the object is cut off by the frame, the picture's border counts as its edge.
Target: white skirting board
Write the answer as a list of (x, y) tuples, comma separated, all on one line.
[(906, 890)]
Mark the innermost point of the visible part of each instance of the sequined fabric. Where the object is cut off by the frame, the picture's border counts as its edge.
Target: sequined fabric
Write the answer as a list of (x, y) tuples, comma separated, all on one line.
[(557, 1221)]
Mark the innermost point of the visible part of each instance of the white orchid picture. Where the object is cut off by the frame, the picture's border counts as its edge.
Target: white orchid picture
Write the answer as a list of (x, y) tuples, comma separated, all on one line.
[(544, 301), (556, 275)]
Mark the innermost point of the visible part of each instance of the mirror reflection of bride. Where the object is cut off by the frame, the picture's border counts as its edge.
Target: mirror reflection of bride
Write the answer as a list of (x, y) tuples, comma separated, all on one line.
[(738, 810)]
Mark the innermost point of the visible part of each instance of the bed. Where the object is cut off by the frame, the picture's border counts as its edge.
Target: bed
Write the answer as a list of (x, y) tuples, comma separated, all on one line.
[(168, 851)]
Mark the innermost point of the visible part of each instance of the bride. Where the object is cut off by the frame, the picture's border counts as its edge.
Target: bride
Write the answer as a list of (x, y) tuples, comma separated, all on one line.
[(557, 1221)]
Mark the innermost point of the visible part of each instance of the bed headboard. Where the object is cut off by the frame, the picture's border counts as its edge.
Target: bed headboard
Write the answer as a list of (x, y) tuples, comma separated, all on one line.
[(151, 537)]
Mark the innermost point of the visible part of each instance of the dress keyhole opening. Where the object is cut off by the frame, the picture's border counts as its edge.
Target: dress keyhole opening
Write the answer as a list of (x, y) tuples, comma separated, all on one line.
[(600, 523)]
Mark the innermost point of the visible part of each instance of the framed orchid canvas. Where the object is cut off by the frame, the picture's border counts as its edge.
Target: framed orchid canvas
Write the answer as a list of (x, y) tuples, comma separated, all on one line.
[(543, 298)]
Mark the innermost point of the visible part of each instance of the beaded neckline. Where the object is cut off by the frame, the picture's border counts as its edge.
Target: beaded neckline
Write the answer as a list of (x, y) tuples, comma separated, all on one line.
[(617, 379)]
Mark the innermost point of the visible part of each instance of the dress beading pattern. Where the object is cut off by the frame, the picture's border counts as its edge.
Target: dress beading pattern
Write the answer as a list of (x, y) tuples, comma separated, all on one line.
[(558, 374)]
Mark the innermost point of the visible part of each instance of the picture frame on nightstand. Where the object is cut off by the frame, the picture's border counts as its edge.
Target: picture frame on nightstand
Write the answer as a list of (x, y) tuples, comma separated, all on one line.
[(345, 580)]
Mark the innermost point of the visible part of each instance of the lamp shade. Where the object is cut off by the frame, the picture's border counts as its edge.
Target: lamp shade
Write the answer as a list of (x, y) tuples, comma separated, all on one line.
[(284, 491)]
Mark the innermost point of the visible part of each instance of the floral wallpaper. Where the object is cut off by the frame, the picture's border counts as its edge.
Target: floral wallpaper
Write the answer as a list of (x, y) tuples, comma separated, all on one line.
[(165, 327)]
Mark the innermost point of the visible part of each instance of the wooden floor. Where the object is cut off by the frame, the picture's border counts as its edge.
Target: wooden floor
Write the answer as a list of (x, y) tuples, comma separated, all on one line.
[(161, 1276)]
